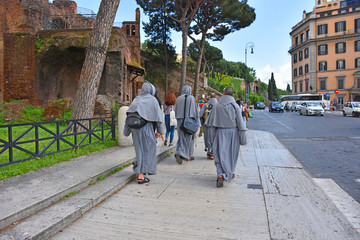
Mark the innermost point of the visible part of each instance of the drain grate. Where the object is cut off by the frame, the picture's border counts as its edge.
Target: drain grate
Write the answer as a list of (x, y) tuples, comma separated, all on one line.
[(254, 186)]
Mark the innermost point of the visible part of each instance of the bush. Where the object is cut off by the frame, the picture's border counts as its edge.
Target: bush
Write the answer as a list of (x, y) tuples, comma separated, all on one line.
[(32, 114)]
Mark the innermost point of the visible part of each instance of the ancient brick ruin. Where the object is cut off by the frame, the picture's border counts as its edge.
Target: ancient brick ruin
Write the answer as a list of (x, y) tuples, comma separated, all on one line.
[(42, 49)]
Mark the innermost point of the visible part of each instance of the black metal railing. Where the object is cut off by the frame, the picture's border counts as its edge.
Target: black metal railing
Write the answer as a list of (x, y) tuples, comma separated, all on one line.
[(32, 140)]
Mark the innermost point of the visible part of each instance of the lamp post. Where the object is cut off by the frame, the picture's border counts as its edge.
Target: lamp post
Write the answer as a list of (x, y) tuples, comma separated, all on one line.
[(247, 92)]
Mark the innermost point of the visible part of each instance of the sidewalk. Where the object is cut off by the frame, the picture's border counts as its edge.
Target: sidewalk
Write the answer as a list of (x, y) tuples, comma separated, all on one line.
[(271, 197)]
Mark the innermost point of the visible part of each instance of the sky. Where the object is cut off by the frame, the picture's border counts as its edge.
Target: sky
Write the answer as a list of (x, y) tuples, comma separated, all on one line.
[(269, 33)]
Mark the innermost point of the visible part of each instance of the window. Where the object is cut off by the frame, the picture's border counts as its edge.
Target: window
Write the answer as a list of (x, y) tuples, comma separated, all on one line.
[(340, 26), (322, 84), (295, 87), (302, 38), (295, 58), (357, 45), (340, 64), (358, 82), (306, 85), (343, 11), (300, 71), (306, 69), (341, 100), (300, 56), (357, 63), (357, 25), (301, 86), (307, 34), (322, 49), (295, 72), (127, 30), (340, 83), (322, 29), (340, 47), (296, 41), (306, 52), (323, 66)]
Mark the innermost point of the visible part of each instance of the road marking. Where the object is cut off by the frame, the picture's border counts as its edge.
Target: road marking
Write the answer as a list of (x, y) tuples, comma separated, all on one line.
[(278, 121), (343, 201)]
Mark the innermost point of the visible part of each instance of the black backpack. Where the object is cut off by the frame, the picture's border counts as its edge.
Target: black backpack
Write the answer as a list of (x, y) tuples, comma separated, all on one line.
[(134, 120)]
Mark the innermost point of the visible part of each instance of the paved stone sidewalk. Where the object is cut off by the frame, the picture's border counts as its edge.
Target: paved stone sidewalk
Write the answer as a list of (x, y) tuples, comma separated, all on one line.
[(271, 197)]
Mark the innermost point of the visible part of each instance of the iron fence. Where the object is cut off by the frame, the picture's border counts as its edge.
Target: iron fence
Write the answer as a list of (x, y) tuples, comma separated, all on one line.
[(32, 140)]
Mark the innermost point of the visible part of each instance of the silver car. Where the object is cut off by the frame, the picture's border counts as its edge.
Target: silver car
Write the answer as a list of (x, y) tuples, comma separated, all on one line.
[(311, 108), (352, 108), (295, 106)]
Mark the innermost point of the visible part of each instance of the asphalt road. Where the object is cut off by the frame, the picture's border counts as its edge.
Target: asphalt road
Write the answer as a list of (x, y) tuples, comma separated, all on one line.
[(327, 147)]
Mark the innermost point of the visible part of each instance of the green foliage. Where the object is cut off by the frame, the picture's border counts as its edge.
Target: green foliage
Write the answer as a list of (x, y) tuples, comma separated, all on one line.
[(256, 98), (39, 44), (115, 109), (32, 114), (34, 164), (2, 115)]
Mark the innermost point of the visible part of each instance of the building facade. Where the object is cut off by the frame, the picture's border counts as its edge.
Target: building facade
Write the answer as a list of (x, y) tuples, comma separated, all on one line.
[(325, 51)]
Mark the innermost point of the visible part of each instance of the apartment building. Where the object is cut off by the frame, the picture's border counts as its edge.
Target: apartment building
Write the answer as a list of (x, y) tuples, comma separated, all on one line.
[(325, 51)]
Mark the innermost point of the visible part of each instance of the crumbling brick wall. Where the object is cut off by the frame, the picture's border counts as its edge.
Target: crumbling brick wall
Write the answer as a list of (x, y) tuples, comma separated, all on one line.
[(20, 67)]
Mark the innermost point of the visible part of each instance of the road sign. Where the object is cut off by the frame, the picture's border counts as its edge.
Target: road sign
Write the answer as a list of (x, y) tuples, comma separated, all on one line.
[(336, 91), (327, 94)]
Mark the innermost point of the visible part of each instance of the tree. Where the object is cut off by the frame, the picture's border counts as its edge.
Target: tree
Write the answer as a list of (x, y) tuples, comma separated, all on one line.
[(84, 102), (288, 89), (222, 17), (158, 29), (272, 89)]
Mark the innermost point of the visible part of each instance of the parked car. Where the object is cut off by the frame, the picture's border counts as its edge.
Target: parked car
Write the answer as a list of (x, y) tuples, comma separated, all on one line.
[(259, 105), (311, 108), (295, 106), (276, 107), (352, 108)]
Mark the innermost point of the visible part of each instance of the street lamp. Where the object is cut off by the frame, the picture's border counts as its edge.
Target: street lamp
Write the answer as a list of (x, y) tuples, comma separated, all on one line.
[(247, 90)]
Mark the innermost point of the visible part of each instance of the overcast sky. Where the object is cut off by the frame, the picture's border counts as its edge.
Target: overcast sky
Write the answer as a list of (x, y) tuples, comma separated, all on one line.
[(269, 33)]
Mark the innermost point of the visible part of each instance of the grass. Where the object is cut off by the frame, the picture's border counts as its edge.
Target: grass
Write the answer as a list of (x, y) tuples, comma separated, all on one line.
[(35, 164)]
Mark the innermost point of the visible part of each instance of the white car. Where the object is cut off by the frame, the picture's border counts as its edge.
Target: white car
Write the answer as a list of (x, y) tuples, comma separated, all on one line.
[(311, 108), (295, 106), (352, 108)]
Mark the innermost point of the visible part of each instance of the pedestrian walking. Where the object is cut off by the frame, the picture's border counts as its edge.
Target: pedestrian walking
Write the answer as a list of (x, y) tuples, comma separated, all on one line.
[(204, 113), (147, 107), (185, 143), (230, 130), (169, 106)]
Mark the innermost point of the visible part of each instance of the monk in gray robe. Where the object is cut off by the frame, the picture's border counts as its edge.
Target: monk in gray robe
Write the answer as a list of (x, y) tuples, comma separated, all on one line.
[(185, 143), (205, 110), (229, 126), (144, 139)]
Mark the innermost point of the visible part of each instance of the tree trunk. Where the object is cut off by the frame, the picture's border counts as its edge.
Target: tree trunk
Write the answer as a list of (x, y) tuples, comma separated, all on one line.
[(84, 102), (198, 64), (185, 31)]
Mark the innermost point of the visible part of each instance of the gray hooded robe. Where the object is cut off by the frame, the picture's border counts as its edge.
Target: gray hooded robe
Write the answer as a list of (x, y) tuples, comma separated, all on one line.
[(144, 138), (227, 121), (185, 143), (206, 129)]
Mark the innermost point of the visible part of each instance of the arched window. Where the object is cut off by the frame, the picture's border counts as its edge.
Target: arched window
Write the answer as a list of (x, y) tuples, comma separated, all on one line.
[(133, 30), (127, 30)]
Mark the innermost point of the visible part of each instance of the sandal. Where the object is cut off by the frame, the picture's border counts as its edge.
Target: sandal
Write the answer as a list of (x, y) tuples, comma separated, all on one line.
[(170, 145), (212, 157), (190, 159), (178, 158), (165, 142), (143, 180)]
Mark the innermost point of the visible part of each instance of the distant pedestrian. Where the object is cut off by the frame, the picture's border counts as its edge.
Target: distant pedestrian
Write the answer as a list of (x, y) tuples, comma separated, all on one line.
[(169, 106), (185, 143), (147, 106), (246, 110), (230, 129), (204, 113)]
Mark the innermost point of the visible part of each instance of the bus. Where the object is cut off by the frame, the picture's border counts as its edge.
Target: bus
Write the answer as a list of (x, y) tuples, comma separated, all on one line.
[(321, 98)]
